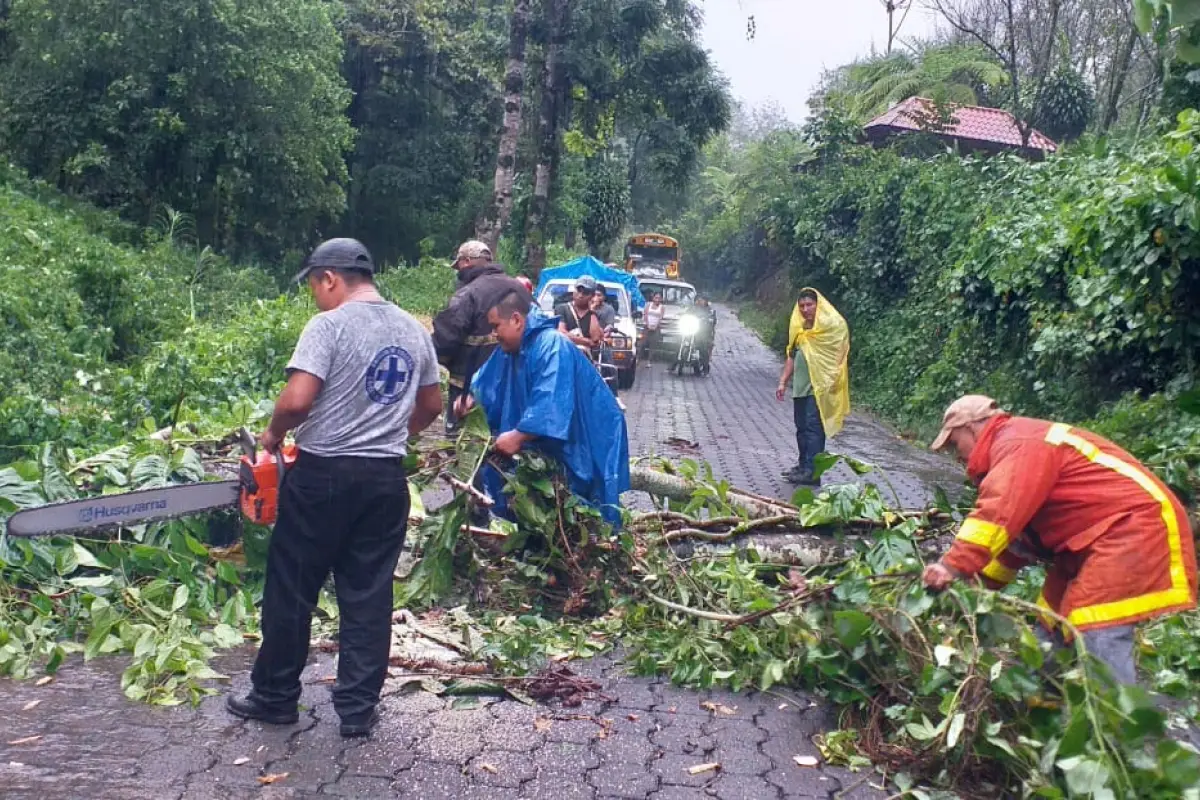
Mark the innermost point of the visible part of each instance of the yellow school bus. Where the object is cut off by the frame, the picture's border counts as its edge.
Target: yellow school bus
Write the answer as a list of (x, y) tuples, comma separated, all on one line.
[(652, 251)]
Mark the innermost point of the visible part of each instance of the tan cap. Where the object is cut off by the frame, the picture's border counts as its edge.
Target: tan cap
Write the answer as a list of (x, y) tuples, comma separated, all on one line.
[(963, 411), (473, 249)]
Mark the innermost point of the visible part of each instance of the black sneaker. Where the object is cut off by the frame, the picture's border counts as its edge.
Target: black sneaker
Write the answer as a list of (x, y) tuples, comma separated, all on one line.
[(789, 472), (249, 707), (360, 725)]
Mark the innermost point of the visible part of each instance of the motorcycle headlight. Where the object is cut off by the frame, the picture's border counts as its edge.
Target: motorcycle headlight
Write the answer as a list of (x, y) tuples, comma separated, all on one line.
[(689, 326)]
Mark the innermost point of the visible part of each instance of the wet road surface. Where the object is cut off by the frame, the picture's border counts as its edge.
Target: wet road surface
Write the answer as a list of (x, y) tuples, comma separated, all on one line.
[(640, 743)]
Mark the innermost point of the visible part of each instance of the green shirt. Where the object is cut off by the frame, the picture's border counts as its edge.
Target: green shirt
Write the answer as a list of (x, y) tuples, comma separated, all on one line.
[(801, 380)]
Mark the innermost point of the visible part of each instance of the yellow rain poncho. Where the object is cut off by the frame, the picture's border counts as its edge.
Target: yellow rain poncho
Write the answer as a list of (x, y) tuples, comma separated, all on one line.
[(826, 348)]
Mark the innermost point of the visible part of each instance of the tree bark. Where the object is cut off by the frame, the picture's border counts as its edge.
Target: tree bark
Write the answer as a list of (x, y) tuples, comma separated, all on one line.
[(661, 484), (1043, 67), (492, 223), (1116, 83), (553, 80)]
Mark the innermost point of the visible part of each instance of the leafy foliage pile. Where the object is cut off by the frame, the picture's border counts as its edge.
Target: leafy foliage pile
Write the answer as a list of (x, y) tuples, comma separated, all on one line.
[(163, 593), (1057, 287), (953, 691)]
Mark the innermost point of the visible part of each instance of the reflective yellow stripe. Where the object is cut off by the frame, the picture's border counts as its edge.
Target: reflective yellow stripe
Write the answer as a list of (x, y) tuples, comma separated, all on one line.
[(1180, 592), (985, 534), (999, 573), (1047, 620)]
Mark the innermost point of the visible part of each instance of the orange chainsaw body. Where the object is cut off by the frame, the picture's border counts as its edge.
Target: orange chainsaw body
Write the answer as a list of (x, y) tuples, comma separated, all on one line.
[(261, 479)]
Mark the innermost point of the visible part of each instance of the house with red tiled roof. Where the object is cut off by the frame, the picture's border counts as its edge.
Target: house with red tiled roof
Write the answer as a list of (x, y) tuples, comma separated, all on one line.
[(970, 128)]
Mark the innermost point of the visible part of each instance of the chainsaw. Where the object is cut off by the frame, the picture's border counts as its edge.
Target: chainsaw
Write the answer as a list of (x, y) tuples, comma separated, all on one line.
[(255, 491)]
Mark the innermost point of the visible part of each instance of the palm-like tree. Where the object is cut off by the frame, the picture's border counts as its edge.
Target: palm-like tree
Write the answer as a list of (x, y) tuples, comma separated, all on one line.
[(957, 74)]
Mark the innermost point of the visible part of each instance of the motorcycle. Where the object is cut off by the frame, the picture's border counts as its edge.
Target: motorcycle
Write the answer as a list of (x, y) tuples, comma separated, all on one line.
[(691, 352)]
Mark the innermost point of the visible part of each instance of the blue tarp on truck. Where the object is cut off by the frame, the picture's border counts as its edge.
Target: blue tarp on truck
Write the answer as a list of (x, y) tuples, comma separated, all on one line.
[(586, 265)]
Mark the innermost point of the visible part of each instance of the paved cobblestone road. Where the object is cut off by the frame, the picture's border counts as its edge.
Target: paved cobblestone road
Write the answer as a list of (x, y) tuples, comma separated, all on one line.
[(95, 744)]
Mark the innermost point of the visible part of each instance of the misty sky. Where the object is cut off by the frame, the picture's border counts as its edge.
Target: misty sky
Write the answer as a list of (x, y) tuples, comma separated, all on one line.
[(795, 42)]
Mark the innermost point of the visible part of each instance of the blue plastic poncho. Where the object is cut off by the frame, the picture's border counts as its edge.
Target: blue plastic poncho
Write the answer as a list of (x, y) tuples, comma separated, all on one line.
[(586, 265), (552, 391)]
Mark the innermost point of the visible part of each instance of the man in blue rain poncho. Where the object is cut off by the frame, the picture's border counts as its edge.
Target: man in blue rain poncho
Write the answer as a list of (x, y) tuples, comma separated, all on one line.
[(539, 391)]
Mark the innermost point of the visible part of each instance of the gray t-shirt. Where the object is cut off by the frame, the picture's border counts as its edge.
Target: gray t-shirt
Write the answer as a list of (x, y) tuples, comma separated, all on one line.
[(372, 357)]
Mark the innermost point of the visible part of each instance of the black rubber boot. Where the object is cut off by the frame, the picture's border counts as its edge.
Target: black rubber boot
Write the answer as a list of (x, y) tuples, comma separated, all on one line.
[(249, 707), (360, 727)]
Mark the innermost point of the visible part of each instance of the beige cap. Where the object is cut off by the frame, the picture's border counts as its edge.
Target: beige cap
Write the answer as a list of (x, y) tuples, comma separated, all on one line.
[(963, 411), (473, 249)]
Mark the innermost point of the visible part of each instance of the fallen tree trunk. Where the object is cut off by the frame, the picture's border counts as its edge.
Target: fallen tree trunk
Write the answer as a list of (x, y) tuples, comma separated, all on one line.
[(660, 484)]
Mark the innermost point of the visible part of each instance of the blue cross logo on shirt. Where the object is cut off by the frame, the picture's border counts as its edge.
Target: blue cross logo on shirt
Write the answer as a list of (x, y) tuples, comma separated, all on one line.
[(388, 374)]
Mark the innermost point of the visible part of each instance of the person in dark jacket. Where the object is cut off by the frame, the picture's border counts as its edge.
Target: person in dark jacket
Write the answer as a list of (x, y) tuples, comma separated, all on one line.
[(461, 334)]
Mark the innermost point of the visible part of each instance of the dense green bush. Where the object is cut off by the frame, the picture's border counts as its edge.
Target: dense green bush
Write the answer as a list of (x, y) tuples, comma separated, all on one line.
[(102, 338)]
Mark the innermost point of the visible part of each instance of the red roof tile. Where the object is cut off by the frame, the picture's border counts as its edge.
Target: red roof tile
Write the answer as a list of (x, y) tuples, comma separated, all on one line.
[(992, 125)]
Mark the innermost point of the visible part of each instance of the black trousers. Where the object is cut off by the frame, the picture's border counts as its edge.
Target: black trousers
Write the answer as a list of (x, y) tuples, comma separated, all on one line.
[(810, 433), (347, 516)]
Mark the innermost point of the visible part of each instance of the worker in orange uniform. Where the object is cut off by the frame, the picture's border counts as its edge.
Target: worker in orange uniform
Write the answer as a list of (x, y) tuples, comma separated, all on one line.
[(1118, 541)]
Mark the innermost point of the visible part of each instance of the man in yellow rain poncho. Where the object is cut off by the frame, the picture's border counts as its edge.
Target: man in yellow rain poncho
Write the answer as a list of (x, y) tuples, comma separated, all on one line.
[(818, 353)]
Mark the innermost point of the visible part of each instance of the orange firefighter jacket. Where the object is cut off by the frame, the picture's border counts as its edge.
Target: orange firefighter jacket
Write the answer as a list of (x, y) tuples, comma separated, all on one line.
[(1118, 540)]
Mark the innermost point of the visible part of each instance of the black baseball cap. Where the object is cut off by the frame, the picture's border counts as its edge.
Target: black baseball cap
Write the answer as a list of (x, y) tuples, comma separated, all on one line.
[(338, 254)]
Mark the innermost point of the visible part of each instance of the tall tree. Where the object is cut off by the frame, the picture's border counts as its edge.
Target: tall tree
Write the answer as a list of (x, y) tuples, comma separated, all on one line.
[(427, 107), (495, 218), (231, 110), (554, 91), (1021, 34)]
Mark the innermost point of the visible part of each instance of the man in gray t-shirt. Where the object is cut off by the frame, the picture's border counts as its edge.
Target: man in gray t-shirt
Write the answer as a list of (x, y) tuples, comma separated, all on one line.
[(363, 379), (371, 358)]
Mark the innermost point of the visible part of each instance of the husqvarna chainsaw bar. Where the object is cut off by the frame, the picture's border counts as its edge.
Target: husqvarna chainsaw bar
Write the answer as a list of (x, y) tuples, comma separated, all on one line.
[(123, 510), (255, 491)]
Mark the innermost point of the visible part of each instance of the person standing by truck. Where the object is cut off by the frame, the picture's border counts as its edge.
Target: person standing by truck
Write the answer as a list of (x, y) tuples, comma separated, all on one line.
[(652, 318), (362, 380), (461, 334), (577, 321)]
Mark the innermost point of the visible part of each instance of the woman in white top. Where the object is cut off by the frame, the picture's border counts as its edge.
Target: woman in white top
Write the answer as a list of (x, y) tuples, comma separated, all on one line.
[(653, 317)]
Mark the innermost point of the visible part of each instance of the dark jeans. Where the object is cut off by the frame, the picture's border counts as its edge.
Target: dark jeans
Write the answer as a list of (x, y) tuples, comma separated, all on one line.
[(1112, 647), (810, 433), (347, 516)]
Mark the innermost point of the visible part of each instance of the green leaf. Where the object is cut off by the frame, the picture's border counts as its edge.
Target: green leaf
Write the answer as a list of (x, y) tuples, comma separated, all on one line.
[(18, 492), (803, 497), (228, 573), (772, 674), (850, 626), (92, 581), (224, 636), (1075, 737), (85, 558), (151, 472), (65, 561), (55, 484), (182, 593), (194, 546), (922, 731), (957, 723), (1086, 777)]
